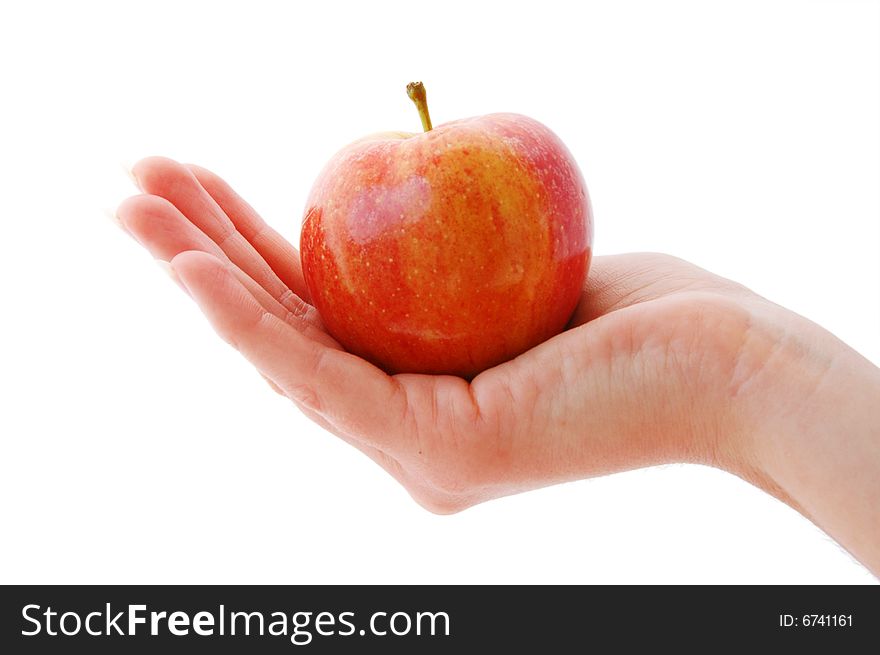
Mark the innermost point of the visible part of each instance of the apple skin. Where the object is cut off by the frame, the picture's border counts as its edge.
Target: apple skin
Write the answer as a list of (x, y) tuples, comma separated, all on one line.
[(448, 251)]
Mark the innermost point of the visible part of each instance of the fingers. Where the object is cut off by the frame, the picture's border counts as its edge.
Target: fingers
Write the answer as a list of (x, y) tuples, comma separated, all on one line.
[(162, 229), (165, 232), (352, 395), (176, 183), (275, 249)]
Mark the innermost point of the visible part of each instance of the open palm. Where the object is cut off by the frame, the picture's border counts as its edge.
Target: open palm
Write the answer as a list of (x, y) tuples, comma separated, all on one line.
[(641, 375)]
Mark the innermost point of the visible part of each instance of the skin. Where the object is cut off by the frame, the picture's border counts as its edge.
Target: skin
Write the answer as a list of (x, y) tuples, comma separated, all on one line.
[(661, 362), (449, 251)]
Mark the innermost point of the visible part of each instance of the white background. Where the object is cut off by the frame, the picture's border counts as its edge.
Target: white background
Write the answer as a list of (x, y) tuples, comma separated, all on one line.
[(139, 448)]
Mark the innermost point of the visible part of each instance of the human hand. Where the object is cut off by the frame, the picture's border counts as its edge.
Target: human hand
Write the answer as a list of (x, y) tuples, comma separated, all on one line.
[(662, 362)]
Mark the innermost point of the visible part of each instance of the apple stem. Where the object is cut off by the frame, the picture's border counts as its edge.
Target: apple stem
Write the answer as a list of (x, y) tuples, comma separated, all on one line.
[(416, 93)]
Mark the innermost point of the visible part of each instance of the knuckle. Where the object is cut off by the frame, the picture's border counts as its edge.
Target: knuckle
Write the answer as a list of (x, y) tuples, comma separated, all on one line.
[(295, 306), (272, 385), (304, 394)]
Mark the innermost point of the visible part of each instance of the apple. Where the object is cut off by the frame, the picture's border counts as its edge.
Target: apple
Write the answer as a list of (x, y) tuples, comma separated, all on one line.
[(448, 251)]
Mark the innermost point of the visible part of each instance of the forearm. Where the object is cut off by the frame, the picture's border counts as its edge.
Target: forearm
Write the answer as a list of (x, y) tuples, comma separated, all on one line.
[(816, 444)]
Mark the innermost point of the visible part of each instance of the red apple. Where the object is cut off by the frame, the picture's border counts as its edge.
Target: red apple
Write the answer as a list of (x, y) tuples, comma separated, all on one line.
[(448, 251)]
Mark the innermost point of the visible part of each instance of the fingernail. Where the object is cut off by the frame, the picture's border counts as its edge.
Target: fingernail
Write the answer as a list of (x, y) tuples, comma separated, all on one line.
[(170, 272), (109, 213), (130, 173)]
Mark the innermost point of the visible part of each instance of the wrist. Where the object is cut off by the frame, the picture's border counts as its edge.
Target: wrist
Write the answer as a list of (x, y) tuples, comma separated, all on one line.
[(810, 434), (773, 362), (799, 382)]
